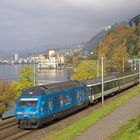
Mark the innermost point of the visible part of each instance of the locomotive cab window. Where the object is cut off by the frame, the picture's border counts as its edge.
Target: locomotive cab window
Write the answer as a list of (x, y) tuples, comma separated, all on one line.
[(28, 103)]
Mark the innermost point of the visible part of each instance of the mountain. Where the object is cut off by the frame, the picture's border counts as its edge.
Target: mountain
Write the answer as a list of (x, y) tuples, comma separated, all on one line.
[(95, 40), (40, 49), (67, 49)]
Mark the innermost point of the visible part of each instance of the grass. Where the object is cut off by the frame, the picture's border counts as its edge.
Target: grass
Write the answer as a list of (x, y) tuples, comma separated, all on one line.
[(129, 131), (83, 124)]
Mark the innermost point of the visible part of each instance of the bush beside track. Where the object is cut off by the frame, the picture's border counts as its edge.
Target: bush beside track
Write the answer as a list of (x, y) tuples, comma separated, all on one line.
[(83, 124)]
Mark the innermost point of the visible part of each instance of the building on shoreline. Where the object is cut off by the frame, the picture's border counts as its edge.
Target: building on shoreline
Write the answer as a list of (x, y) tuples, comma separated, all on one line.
[(16, 57), (50, 60)]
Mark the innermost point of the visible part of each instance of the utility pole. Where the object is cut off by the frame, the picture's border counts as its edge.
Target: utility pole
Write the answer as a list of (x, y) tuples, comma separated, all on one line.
[(97, 68), (102, 81), (34, 74), (139, 71), (123, 65)]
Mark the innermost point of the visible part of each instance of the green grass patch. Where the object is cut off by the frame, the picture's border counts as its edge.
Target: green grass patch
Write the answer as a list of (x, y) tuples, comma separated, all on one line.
[(80, 126), (129, 131)]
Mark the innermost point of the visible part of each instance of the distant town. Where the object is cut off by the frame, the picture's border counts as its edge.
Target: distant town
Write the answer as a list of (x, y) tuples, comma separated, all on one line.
[(52, 59)]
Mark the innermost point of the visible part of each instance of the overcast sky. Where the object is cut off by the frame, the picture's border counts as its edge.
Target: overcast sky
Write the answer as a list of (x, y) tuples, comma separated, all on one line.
[(32, 23)]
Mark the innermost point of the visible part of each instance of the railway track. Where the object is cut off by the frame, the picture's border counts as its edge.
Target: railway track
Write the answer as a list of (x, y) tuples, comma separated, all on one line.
[(4, 122), (7, 125), (9, 130)]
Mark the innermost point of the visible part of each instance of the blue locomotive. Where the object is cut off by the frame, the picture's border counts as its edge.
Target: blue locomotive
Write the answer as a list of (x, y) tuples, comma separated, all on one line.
[(41, 104)]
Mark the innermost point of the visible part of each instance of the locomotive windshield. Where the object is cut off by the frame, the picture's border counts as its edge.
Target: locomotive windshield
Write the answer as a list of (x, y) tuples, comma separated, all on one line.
[(28, 103)]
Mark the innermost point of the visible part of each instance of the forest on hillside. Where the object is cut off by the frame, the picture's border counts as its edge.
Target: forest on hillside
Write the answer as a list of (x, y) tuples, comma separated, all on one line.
[(121, 44), (122, 39)]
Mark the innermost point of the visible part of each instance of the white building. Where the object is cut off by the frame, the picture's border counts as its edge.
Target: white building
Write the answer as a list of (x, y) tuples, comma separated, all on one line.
[(52, 52), (52, 60), (16, 57)]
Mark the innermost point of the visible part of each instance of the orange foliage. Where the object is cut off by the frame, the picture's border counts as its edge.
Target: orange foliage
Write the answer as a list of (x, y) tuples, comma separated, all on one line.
[(7, 94), (118, 56), (103, 50)]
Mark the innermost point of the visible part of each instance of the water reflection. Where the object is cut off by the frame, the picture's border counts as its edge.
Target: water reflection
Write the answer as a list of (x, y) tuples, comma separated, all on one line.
[(16, 69), (52, 75), (11, 72)]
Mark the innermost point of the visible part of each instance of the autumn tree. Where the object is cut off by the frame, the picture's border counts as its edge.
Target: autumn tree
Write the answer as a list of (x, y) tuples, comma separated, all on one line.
[(85, 70), (103, 50), (120, 42), (118, 56), (133, 42), (26, 79), (7, 94), (73, 60)]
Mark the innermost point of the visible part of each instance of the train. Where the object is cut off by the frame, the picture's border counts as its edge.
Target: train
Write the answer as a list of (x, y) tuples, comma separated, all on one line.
[(42, 104)]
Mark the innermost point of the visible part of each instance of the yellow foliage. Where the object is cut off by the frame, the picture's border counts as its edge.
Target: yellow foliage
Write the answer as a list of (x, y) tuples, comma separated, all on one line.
[(102, 51), (7, 94), (118, 56), (86, 69)]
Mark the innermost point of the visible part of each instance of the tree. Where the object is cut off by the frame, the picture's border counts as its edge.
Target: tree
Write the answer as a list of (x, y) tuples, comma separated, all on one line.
[(26, 79), (118, 56), (7, 94), (103, 50), (86, 69), (73, 60)]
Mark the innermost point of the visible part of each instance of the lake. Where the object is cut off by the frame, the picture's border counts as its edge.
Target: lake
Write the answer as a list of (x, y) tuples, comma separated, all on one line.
[(11, 72)]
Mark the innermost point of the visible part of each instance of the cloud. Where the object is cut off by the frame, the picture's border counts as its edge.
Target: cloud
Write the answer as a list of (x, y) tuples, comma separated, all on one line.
[(31, 23)]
